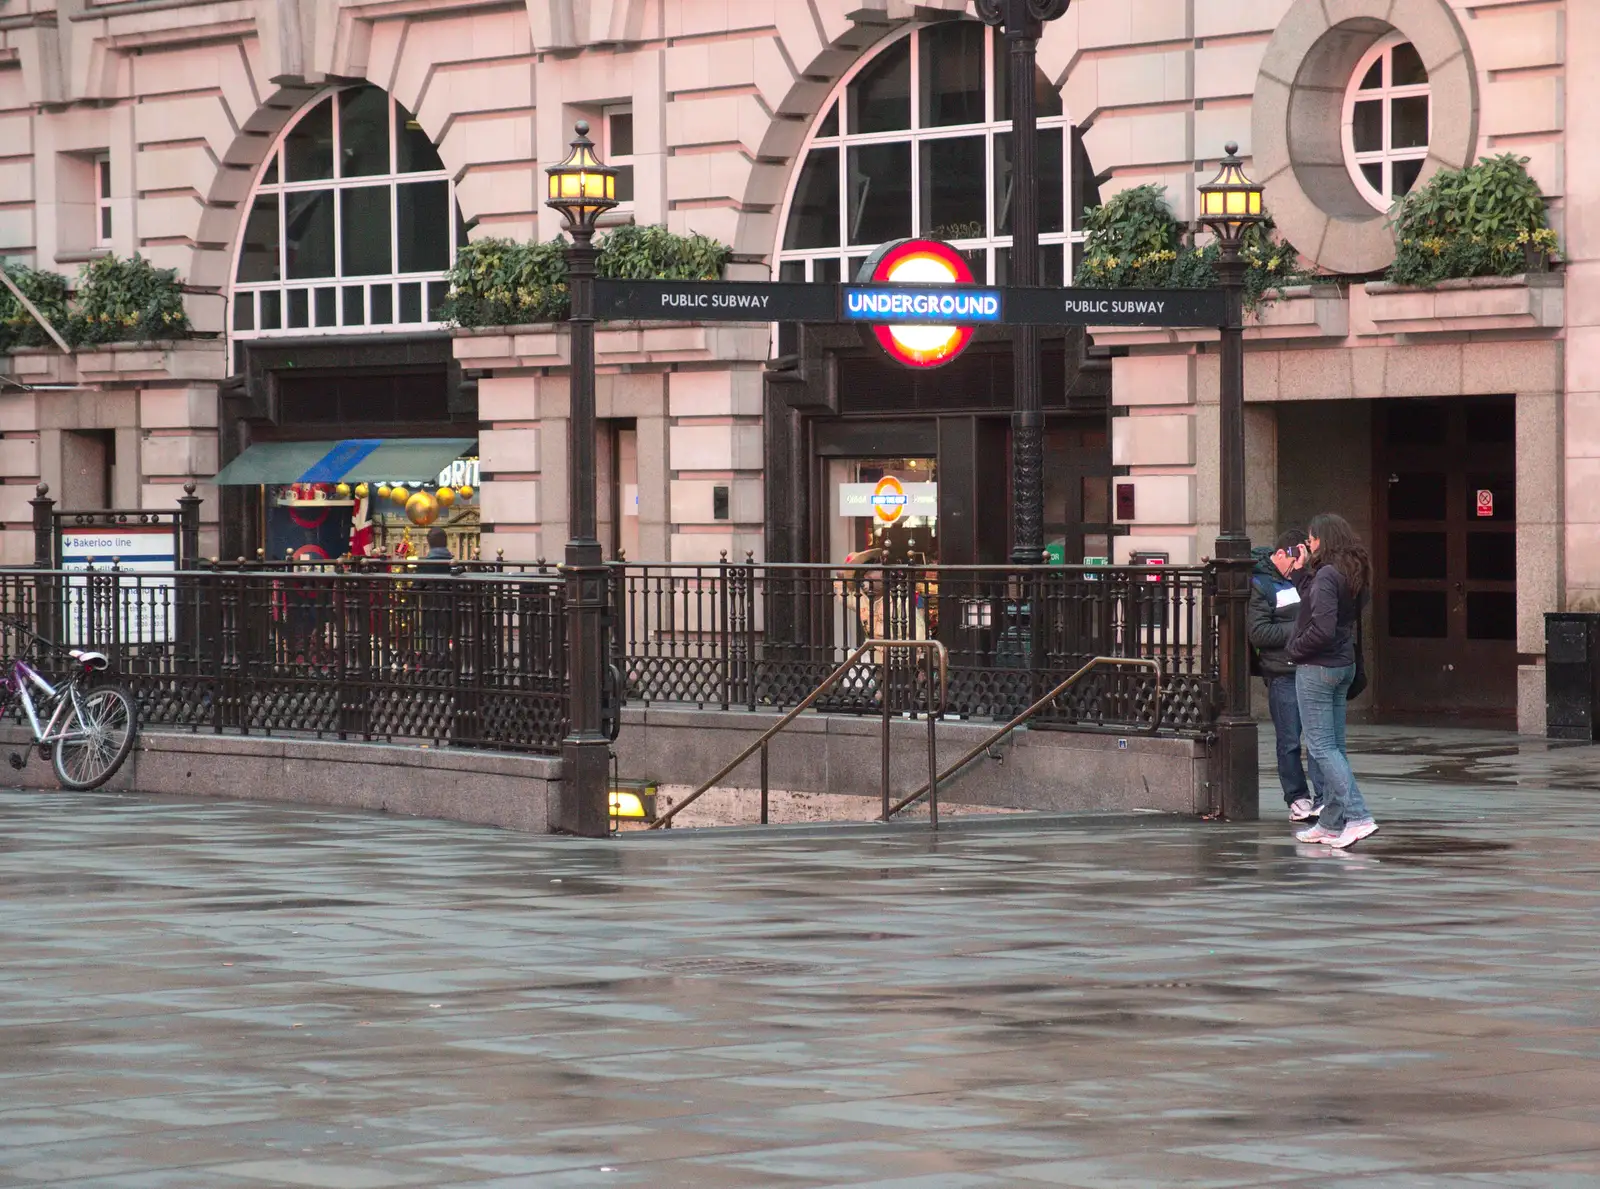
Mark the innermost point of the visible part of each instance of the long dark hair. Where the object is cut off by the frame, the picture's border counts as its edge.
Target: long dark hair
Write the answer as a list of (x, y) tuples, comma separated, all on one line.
[(1342, 549)]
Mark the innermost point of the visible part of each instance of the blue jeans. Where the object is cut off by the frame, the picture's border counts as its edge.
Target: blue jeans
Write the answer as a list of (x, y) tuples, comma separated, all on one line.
[(1284, 703), (1322, 697)]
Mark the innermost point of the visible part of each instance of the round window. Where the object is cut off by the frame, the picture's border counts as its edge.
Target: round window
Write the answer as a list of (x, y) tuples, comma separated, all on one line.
[(1387, 121)]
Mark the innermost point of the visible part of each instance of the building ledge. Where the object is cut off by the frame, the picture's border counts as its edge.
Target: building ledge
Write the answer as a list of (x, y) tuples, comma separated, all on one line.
[(617, 344), (1528, 301), (120, 363)]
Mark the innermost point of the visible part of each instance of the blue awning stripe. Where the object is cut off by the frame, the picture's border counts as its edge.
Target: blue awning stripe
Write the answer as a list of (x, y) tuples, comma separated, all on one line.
[(333, 466)]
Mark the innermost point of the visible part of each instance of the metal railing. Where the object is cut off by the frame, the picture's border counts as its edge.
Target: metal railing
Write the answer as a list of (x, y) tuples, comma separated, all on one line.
[(757, 636), (469, 661), (931, 649)]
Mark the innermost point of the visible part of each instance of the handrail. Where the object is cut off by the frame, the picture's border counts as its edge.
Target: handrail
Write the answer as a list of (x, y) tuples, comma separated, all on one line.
[(974, 752), (932, 646)]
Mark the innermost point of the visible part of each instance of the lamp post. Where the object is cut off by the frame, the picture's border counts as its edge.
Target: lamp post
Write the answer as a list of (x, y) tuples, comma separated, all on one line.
[(582, 188), (1230, 204), (1023, 21)]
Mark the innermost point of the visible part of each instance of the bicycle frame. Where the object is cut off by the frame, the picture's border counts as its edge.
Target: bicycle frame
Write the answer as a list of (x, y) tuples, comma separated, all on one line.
[(22, 676)]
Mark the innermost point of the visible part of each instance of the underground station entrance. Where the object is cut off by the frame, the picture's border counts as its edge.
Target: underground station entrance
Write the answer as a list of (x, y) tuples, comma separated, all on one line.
[(888, 605)]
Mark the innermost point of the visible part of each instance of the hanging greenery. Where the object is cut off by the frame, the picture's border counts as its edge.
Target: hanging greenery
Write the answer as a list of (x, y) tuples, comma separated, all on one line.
[(48, 291), (1487, 220), (1134, 242), (498, 282), (115, 301)]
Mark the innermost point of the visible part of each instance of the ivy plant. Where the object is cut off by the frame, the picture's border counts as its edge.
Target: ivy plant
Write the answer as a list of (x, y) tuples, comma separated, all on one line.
[(48, 291), (1134, 242), (1486, 220), (122, 300), (498, 282)]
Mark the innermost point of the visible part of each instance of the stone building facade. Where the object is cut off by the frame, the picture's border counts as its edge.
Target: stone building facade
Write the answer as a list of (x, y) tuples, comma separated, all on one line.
[(191, 131)]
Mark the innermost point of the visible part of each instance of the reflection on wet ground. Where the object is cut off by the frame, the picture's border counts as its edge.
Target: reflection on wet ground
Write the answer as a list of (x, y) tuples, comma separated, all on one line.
[(228, 994)]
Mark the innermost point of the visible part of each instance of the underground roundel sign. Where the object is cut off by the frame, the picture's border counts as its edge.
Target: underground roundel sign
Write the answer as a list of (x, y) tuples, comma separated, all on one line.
[(888, 499), (923, 262)]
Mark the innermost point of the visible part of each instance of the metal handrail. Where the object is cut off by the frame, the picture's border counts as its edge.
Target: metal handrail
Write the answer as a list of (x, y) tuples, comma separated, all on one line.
[(979, 749), (932, 647)]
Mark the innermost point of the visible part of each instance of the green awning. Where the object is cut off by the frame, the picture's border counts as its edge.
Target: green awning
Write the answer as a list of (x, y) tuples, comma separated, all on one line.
[(355, 460)]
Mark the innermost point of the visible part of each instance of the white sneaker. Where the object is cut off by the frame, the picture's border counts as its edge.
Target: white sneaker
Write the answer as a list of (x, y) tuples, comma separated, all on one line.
[(1316, 834), (1303, 810), (1353, 833)]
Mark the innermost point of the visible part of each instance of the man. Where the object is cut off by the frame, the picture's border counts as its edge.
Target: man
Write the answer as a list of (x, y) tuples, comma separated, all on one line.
[(1274, 603)]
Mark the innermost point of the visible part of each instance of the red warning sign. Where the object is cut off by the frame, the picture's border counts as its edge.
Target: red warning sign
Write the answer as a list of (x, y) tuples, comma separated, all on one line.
[(1485, 502)]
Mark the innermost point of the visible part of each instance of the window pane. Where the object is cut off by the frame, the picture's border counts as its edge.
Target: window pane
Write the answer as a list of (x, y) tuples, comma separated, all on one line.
[(270, 178), (1408, 123), (327, 307), (620, 143), (1373, 79), (308, 150), (830, 122), (382, 305), (299, 307), (105, 222), (424, 225), (416, 152), (244, 311), (1405, 176), (411, 302), (880, 193), (271, 310), (1418, 556), (953, 202), (1418, 423), (814, 215), (309, 229), (1374, 175), (437, 292), (1491, 615), (852, 266), (103, 168), (1366, 131), (258, 254), (1050, 266), (825, 272), (1492, 422), (1052, 181), (1408, 70), (1492, 557), (364, 231), (880, 96), (1417, 497), (952, 74), (792, 270), (1046, 99), (1418, 614), (355, 305), (363, 132), (624, 183)]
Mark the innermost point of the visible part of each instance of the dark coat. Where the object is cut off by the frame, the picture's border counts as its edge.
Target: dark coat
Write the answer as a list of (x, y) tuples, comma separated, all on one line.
[(1325, 629), (1271, 618)]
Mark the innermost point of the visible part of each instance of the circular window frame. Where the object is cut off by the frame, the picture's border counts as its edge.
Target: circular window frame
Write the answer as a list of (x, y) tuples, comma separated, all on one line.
[(1385, 95), (1298, 116)]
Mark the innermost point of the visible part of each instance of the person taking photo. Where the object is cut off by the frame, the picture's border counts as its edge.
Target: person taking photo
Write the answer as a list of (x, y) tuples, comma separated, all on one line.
[(1274, 607)]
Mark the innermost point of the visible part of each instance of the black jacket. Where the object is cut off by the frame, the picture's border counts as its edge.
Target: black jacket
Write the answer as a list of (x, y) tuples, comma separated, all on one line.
[(1325, 629), (1271, 616)]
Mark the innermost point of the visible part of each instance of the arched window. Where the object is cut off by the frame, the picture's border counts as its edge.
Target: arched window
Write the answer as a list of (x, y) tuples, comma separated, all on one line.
[(1387, 121), (916, 140), (352, 227)]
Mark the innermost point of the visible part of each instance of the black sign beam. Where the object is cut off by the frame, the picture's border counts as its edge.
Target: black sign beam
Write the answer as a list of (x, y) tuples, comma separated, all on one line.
[(793, 301)]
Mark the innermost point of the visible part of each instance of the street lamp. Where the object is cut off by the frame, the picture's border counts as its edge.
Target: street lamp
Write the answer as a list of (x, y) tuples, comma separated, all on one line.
[(1230, 204), (583, 188), (1023, 21)]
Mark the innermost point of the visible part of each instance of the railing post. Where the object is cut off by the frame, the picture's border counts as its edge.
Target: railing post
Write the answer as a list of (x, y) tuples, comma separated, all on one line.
[(47, 594), (724, 632), (188, 527)]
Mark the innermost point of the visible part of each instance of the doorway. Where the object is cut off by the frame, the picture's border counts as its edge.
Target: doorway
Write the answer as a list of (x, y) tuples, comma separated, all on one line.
[(890, 504), (1445, 556)]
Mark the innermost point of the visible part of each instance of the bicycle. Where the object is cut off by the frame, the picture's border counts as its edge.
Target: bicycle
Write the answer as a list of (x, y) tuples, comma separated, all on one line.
[(88, 731)]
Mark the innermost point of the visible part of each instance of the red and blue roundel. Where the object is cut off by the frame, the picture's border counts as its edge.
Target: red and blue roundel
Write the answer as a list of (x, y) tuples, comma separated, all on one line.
[(923, 261)]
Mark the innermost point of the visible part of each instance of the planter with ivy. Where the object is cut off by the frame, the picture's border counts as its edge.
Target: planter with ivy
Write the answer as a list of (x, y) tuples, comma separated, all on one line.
[(508, 302), (1473, 251), (1135, 242)]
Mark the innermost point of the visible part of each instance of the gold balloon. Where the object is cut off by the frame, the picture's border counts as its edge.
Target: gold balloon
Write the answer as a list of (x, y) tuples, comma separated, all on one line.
[(422, 509), (383, 491), (399, 495), (342, 491), (464, 491), (361, 490), (446, 497)]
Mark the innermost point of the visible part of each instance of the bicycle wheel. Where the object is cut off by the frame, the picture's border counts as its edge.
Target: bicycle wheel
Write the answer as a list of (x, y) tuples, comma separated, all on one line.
[(96, 739)]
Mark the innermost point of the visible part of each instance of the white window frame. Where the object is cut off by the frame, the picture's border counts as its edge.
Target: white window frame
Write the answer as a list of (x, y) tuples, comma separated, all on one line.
[(613, 159), (283, 189), (847, 254), (104, 219), (1387, 156)]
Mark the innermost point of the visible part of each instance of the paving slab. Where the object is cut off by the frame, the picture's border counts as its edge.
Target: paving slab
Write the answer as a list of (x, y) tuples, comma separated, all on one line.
[(226, 994)]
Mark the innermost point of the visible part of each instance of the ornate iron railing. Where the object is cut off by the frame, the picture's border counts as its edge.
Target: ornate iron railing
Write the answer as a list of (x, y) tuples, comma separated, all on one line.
[(474, 660), (764, 636)]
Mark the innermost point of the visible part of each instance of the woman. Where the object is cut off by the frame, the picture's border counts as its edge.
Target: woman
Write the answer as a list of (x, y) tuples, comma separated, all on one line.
[(1334, 576)]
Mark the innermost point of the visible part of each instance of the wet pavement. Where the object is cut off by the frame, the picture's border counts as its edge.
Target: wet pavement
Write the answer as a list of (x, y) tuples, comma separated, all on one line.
[(225, 994)]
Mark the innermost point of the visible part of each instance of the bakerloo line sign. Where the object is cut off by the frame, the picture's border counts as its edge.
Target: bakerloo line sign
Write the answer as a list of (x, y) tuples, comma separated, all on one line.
[(915, 297)]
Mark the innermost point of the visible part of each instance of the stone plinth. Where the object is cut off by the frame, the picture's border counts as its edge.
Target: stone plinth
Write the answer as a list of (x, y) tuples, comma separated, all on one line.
[(1532, 301)]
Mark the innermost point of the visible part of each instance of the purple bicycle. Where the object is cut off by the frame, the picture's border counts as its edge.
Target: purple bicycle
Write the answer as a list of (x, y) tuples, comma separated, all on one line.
[(87, 730)]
